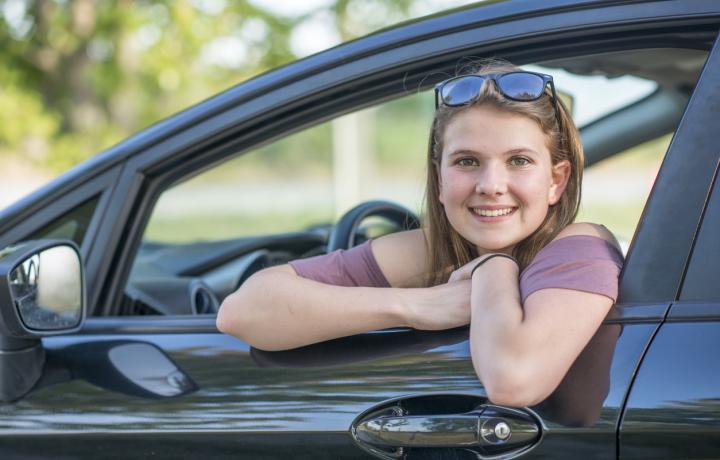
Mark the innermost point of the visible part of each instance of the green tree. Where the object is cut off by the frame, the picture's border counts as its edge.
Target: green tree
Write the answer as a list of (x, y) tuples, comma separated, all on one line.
[(79, 75)]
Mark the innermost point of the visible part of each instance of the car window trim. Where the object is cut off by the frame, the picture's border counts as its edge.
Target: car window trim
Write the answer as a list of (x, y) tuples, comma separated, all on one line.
[(153, 166), (671, 219)]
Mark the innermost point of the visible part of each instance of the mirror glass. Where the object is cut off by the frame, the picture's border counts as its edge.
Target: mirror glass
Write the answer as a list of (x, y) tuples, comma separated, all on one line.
[(47, 289)]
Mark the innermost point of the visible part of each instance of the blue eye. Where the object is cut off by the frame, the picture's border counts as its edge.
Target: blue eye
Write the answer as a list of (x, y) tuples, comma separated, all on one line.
[(466, 162), (520, 161)]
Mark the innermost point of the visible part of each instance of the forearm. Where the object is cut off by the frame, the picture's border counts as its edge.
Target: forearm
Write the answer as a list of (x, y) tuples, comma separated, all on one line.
[(496, 320), (521, 352), (503, 351), (276, 310)]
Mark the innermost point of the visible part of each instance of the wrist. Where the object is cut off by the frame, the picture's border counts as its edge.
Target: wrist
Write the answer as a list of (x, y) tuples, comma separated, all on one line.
[(495, 284), (401, 310), (498, 260)]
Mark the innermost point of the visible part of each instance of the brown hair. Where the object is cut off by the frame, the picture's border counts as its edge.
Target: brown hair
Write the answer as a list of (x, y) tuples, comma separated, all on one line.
[(446, 248)]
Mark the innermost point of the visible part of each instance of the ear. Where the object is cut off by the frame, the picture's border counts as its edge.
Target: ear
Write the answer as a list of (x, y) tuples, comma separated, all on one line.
[(560, 176)]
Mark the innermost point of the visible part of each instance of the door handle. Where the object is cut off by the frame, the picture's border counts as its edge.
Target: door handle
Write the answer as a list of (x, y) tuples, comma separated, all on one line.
[(487, 426)]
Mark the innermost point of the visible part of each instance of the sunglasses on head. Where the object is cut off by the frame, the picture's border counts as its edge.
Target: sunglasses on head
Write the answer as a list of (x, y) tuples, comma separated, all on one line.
[(517, 86)]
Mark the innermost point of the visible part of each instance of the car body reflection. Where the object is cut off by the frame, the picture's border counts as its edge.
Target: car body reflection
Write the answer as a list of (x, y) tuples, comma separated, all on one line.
[(128, 367)]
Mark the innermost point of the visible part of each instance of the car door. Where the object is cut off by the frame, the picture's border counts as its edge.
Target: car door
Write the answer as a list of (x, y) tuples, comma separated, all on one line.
[(179, 388), (672, 410)]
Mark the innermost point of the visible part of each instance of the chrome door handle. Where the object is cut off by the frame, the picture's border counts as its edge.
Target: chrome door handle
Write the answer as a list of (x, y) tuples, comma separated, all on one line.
[(420, 431), (486, 427)]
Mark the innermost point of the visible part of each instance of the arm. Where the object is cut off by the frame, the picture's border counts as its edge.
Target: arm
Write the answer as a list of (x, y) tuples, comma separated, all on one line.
[(521, 352), (277, 309), (578, 400)]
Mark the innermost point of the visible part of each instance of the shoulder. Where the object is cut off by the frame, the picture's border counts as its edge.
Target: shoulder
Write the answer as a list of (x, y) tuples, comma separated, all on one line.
[(582, 257), (402, 257), (580, 242), (588, 229)]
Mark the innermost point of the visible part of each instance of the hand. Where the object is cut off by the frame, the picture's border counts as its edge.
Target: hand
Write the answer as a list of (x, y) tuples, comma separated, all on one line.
[(463, 273), (439, 307)]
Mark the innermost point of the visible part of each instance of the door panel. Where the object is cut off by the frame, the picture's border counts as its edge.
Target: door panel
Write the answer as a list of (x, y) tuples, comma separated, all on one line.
[(298, 403), (673, 411)]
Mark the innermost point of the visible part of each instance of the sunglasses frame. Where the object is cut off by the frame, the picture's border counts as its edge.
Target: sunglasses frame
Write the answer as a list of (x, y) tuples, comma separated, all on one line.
[(495, 77)]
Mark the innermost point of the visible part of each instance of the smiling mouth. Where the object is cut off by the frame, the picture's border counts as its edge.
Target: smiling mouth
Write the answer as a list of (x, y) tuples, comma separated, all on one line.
[(492, 212)]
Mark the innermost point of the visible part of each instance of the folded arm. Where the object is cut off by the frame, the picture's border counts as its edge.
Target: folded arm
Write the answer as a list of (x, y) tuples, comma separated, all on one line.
[(522, 350), (276, 309)]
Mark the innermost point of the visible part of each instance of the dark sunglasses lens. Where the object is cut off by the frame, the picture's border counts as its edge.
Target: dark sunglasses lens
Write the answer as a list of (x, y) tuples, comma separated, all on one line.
[(461, 91), (521, 86)]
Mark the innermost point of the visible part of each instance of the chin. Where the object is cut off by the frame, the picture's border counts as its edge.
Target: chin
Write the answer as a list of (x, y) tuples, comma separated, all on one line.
[(504, 249)]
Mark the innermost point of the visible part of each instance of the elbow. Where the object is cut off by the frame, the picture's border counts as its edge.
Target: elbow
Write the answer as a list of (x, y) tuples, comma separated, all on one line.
[(229, 318), (243, 315), (222, 322), (514, 397), (237, 315), (514, 389), (514, 379), (233, 318)]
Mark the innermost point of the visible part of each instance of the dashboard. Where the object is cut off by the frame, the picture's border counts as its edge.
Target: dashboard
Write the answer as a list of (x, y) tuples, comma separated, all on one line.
[(194, 278)]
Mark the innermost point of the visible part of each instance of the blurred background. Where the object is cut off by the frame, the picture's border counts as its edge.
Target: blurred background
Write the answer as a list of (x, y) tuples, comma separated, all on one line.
[(78, 76)]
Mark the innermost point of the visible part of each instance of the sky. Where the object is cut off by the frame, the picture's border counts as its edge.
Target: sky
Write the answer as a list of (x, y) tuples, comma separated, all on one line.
[(317, 33)]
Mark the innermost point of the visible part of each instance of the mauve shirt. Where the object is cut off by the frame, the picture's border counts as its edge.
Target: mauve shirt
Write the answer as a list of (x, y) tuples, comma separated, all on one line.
[(580, 262)]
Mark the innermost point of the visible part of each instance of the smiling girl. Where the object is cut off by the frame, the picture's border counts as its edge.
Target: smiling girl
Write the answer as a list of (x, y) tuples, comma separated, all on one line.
[(499, 249)]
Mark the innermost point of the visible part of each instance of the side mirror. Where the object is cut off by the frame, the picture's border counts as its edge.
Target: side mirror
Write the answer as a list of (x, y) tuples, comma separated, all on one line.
[(42, 293)]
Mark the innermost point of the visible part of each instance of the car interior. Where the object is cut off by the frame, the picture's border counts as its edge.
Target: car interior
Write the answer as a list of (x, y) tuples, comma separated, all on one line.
[(191, 277)]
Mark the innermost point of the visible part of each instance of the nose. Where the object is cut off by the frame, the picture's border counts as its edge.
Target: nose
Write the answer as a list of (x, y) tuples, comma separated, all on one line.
[(491, 180)]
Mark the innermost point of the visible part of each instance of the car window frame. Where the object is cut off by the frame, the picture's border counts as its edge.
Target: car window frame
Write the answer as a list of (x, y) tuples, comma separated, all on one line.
[(28, 216), (699, 284), (313, 99), (670, 219)]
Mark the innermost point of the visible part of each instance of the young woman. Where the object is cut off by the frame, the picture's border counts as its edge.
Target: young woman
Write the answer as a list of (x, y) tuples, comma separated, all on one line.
[(499, 249)]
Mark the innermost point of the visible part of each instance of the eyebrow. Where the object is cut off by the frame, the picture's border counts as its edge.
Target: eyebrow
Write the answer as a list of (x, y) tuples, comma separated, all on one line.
[(513, 151), (522, 150), (459, 152)]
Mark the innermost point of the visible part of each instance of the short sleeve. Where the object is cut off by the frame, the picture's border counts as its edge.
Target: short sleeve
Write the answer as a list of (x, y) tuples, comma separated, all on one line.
[(580, 262), (353, 267)]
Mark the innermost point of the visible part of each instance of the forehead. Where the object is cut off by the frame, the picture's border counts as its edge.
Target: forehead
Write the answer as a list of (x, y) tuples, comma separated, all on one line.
[(488, 130)]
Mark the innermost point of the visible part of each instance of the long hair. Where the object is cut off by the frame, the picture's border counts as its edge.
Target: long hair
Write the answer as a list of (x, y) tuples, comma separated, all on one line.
[(446, 248)]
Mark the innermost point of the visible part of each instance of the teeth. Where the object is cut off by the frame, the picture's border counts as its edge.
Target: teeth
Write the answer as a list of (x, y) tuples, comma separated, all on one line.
[(492, 213)]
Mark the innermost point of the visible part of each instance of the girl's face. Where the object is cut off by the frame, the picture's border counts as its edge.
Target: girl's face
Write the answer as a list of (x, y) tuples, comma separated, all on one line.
[(496, 177)]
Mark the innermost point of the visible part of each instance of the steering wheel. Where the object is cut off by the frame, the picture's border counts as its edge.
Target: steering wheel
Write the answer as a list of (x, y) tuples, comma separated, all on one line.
[(344, 232)]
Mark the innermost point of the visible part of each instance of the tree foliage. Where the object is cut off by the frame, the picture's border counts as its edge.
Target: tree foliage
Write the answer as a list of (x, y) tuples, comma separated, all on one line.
[(79, 75)]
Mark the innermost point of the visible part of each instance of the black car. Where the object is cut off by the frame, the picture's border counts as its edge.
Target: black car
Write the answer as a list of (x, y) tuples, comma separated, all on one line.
[(127, 362)]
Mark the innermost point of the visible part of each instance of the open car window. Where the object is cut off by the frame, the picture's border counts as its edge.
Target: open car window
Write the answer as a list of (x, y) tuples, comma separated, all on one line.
[(277, 203), (210, 232), (306, 179)]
